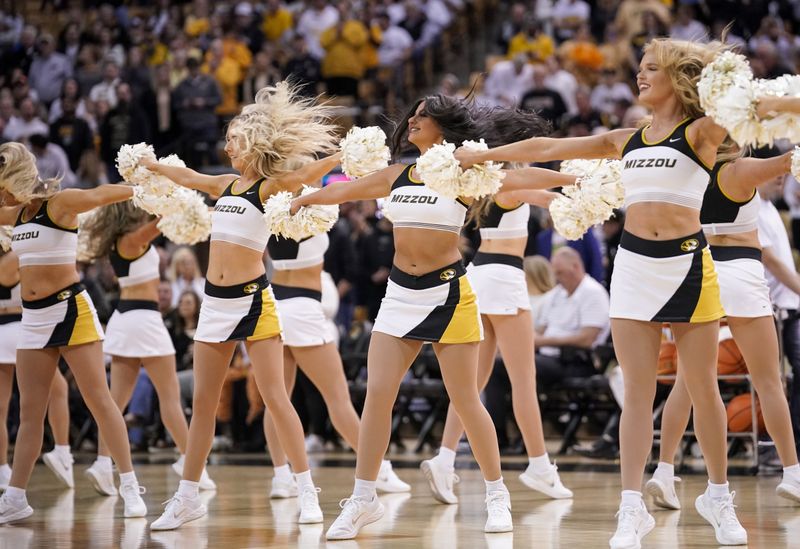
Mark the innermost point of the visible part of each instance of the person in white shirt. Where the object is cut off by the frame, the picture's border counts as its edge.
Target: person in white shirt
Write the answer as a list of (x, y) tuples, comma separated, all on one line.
[(396, 42), (314, 21), (575, 316), (20, 128), (509, 80), (106, 90), (568, 15), (610, 91), (51, 161), (686, 27)]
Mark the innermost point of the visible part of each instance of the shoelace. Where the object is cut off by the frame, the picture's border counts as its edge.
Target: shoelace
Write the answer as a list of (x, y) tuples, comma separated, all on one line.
[(496, 503), (627, 517), (6, 504), (304, 496), (140, 490), (349, 507), (727, 510), (452, 479)]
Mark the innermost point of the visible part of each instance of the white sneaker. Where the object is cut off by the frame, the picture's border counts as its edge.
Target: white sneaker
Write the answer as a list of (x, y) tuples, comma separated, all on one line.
[(633, 523), (721, 514), (308, 505), (788, 489), (663, 492), (440, 480), (13, 510), (282, 489), (132, 497), (388, 481), (60, 465), (180, 510), (547, 483), (356, 513), (102, 479), (205, 480), (498, 507)]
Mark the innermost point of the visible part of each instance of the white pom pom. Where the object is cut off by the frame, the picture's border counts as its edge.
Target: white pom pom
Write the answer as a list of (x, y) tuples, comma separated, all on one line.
[(5, 237), (796, 163), (129, 158), (189, 220), (440, 171), (568, 220), (364, 151), (308, 221)]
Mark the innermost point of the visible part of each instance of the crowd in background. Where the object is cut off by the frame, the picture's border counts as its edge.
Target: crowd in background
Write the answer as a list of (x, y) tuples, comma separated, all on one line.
[(76, 86)]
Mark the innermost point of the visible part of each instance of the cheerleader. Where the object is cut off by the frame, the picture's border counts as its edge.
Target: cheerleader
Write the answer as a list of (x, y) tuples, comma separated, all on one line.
[(663, 271), (497, 276), (311, 345), (428, 299), (730, 221), (135, 334), (58, 320), (277, 132)]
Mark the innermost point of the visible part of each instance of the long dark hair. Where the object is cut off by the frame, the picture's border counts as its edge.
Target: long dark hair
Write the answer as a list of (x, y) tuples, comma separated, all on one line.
[(455, 116)]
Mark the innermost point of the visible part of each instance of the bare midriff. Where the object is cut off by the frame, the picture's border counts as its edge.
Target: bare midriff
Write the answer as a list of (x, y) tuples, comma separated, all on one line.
[(146, 291), (748, 239), (40, 281), (508, 246), (307, 277), (661, 221), (421, 251), (231, 264)]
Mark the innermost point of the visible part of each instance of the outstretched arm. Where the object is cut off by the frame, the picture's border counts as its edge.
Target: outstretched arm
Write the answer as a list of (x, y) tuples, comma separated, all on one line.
[(528, 196), (770, 106), (374, 185), (535, 178), (71, 202), (308, 174), (546, 149), (741, 177), (213, 185)]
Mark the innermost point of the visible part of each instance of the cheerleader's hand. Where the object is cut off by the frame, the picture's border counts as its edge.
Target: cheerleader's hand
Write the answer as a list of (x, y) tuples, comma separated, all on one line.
[(468, 157), (149, 163), (766, 106), (295, 206)]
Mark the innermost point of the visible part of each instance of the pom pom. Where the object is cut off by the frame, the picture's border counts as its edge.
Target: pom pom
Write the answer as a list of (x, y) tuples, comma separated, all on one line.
[(308, 221), (784, 125), (5, 237), (189, 220), (129, 158), (440, 171), (364, 151)]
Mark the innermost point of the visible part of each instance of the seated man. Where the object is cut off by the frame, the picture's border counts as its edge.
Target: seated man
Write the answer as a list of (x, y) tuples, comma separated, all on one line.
[(574, 318)]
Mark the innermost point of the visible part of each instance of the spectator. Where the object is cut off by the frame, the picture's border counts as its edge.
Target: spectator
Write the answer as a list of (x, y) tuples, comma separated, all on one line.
[(51, 161), (196, 100), (246, 28), (396, 43), (652, 27), (718, 28), (162, 119), (587, 118), (70, 89), (568, 16), (107, 89), (564, 82), (20, 89), (262, 73), (197, 22), (228, 74), (318, 18), (532, 41), (508, 81), (343, 65), (686, 27), (20, 128), (549, 241), (377, 254), (72, 133), (303, 67), (630, 20), (184, 272), (574, 319), (126, 123), (771, 32), (49, 70), (581, 57), (88, 71), (767, 62), (512, 25), (20, 55), (277, 21), (609, 91), (548, 103), (540, 279), (137, 75), (414, 21), (69, 42)]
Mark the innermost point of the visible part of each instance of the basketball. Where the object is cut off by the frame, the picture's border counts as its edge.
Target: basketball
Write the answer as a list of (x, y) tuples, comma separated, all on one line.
[(667, 361), (730, 360), (740, 415)]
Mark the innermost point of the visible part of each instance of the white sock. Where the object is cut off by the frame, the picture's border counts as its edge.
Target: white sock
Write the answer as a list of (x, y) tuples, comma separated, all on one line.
[(127, 478), (495, 485), (446, 457), (104, 462), (16, 494), (282, 472), (664, 471), (386, 464), (364, 489), (631, 498), (304, 480), (188, 489), (792, 472), (540, 465), (63, 450), (717, 490), (5, 469)]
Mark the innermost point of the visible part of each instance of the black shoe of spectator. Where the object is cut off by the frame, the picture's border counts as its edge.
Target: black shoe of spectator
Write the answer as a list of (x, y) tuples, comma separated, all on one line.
[(601, 449)]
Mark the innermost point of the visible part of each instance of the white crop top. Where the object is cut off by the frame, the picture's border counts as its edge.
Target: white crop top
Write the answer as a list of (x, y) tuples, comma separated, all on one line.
[(10, 296), (723, 215), (501, 223), (137, 270), (41, 241), (237, 218), (288, 254), (664, 171), (411, 204)]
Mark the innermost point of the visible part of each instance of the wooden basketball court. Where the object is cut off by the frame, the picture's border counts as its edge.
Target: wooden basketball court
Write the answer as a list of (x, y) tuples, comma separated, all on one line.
[(242, 515)]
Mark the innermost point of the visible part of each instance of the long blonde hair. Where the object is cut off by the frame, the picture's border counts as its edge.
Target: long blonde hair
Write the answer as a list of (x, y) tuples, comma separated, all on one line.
[(105, 225), (539, 273), (20, 177), (283, 130)]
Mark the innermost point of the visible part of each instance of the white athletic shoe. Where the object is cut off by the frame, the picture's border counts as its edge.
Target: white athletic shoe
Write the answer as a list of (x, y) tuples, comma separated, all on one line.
[(721, 514), (788, 488), (356, 513), (282, 489), (61, 466), (102, 479), (205, 480), (308, 506), (663, 492), (498, 507), (5, 478), (132, 497), (547, 483), (633, 523), (13, 510), (179, 510), (440, 480), (388, 481)]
